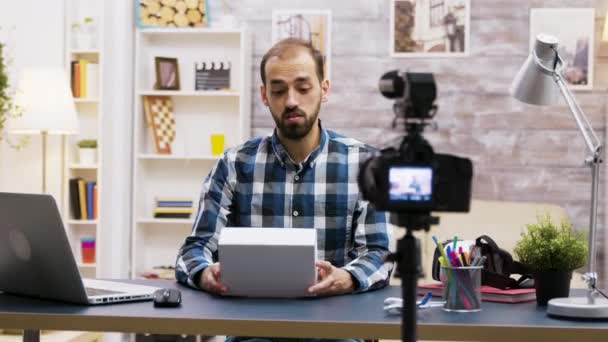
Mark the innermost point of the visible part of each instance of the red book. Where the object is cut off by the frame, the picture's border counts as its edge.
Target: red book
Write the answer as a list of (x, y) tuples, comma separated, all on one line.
[(488, 293)]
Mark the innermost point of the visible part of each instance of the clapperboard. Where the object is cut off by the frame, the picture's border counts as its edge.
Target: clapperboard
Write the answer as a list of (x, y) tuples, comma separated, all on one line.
[(212, 75)]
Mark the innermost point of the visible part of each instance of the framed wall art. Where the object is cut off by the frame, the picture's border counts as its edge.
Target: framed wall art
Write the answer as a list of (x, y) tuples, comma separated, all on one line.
[(427, 28)]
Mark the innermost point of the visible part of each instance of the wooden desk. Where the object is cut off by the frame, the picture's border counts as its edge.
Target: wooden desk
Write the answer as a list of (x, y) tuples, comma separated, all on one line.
[(350, 316)]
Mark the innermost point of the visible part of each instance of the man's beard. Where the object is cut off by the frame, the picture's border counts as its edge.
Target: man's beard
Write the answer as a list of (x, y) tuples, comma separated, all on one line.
[(296, 131)]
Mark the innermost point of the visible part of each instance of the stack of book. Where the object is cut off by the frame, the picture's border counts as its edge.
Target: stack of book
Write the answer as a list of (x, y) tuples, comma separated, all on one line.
[(488, 293), (83, 199), (173, 207), (84, 79)]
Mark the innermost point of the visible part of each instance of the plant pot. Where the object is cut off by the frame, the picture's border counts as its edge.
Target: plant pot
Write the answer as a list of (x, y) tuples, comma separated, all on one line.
[(87, 156), (551, 284)]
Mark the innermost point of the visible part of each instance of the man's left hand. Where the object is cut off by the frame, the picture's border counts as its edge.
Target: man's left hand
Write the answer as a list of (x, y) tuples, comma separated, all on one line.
[(331, 280)]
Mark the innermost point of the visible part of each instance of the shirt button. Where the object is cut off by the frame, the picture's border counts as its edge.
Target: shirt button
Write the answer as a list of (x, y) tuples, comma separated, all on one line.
[(296, 177), (295, 213)]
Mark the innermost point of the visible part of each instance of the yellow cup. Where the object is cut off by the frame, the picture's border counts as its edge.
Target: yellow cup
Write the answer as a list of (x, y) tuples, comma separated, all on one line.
[(217, 144)]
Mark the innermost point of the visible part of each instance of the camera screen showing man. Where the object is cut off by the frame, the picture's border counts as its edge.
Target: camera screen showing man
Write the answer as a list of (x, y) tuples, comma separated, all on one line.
[(409, 183)]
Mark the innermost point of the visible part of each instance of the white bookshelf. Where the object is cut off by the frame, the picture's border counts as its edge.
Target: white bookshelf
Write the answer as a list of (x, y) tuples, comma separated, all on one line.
[(198, 114), (89, 109)]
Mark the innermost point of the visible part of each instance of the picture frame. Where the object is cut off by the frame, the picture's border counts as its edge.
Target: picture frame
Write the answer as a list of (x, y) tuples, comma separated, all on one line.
[(167, 73), (576, 41), (429, 28), (170, 14), (311, 25)]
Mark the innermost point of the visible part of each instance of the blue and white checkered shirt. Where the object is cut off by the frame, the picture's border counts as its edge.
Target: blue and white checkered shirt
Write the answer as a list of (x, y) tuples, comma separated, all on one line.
[(257, 184)]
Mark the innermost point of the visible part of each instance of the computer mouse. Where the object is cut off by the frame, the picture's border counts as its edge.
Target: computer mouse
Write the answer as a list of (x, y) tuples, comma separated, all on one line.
[(167, 298)]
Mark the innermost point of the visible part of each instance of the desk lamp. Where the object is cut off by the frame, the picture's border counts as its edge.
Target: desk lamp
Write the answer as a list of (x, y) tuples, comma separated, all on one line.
[(44, 95), (539, 82)]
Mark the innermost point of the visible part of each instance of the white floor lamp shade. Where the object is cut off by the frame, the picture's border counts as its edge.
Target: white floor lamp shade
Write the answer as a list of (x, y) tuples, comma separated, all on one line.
[(45, 99)]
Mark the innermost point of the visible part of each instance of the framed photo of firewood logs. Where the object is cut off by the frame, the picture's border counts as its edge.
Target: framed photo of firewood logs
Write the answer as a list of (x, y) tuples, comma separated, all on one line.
[(172, 13)]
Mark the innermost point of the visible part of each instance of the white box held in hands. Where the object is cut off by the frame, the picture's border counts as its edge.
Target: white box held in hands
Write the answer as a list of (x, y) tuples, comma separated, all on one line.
[(268, 262)]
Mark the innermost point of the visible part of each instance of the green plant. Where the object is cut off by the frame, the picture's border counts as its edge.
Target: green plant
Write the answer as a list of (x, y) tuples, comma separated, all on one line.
[(87, 143), (545, 246), (8, 110), (88, 20), (75, 25)]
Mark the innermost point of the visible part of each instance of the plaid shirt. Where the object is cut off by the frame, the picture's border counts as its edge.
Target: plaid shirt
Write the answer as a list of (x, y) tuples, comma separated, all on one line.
[(258, 185)]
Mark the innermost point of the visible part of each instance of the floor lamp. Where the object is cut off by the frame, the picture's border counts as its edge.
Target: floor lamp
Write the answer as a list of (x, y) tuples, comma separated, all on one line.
[(539, 82), (44, 96)]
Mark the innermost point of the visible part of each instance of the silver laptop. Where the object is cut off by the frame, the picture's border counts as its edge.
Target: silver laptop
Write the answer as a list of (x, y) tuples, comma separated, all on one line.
[(36, 259), (268, 262)]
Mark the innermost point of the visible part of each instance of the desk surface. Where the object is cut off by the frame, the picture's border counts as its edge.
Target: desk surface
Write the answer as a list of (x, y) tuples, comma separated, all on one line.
[(350, 316)]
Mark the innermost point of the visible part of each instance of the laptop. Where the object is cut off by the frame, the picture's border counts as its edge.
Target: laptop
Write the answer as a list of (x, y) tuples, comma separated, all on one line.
[(36, 258), (268, 262)]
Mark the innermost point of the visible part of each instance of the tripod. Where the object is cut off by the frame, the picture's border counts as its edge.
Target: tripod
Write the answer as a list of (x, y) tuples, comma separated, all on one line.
[(408, 265)]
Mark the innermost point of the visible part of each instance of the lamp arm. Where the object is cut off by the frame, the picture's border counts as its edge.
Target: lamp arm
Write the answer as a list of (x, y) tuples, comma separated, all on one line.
[(594, 161), (591, 140)]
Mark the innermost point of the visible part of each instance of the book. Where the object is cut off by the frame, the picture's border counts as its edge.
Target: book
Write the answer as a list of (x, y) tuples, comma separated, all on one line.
[(74, 198), (82, 197), (488, 293), (171, 210), (92, 80)]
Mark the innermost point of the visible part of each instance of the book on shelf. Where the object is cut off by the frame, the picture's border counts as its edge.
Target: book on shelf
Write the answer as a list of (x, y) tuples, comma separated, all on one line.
[(84, 78), (83, 199), (488, 293)]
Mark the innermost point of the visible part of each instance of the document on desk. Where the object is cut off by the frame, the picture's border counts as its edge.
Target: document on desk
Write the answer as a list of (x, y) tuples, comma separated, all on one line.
[(268, 262)]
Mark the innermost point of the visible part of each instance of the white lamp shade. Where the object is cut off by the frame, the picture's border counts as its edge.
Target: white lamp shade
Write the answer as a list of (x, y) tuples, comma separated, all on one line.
[(45, 98), (533, 84)]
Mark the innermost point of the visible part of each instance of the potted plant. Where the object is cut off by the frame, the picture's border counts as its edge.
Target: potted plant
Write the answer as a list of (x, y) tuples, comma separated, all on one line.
[(87, 151), (551, 252), (8, 109)]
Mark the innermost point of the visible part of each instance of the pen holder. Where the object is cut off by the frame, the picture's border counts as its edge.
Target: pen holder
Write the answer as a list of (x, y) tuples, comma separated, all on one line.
[(461, 288)]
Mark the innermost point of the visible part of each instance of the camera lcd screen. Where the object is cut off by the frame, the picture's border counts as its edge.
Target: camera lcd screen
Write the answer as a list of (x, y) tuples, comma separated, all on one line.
[(410, 183)]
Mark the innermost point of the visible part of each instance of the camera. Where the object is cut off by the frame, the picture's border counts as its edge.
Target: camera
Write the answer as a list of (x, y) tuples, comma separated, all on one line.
[(414, 180)]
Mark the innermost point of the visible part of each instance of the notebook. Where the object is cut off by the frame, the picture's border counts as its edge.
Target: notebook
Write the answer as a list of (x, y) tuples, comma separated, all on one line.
[(488, 293), (268, 262)]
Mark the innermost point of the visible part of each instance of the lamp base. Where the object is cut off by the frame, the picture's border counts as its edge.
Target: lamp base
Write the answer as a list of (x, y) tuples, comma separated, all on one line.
[(578, 307)]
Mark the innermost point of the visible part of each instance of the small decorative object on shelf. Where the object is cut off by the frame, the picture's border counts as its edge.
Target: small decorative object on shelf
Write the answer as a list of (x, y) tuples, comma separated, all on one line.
[(167, 73), (84, 35), (159, 116), (87, 151), (173, 207), (224, 20), (212, 75), (171, 13), (87, 246), (217, 144)]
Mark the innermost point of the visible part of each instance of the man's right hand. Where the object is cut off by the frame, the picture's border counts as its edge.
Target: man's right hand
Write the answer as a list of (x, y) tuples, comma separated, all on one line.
[(211, 281)]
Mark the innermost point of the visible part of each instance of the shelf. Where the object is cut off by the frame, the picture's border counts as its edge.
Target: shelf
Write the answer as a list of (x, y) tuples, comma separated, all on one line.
[(207, 93), (82, 222), (83, 167), (85, 100), (150, 156), (84, 52), (194, 31), (165, 221), (83, 265)]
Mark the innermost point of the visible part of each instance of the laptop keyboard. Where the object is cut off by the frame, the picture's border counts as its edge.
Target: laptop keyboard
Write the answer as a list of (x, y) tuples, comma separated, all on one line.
[(99, 292)]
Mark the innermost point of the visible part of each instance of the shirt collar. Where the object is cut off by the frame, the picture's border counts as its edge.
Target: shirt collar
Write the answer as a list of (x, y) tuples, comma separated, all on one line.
[(284, 158)]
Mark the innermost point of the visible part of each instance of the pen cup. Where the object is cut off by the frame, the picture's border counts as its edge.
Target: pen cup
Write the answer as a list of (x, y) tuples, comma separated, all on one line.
[(461, 288)]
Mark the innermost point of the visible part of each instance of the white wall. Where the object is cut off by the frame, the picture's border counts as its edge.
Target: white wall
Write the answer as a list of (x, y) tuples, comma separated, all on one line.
[(34, 33)]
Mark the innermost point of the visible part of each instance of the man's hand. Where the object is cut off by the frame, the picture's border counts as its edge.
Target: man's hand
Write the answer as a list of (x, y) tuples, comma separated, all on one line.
[(332, 280), (211, 281)]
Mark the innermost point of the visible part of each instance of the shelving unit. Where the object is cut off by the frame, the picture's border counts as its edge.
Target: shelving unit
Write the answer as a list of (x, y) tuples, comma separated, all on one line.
[(198, 114), (89, 109)]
